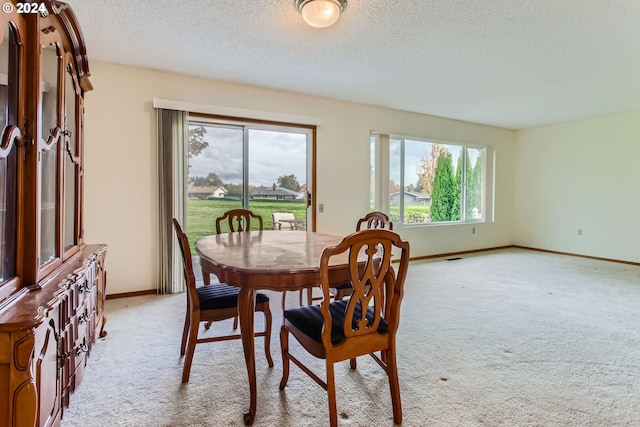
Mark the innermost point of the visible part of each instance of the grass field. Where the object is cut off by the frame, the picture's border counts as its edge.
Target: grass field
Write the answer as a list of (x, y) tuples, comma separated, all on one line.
[(201, 214)]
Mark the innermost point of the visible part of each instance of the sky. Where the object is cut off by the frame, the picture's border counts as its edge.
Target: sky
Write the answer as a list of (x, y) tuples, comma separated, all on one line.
[(271, 155), (414, 151)]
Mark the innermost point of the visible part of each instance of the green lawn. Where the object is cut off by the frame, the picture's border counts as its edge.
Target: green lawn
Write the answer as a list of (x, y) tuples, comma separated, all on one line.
[(201, 214)]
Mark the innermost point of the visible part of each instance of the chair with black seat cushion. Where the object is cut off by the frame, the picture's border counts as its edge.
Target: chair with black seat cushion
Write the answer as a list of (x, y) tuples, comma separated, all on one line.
[(379, 220), (212, 303), (235, 220), (372, 220), (343, 330)]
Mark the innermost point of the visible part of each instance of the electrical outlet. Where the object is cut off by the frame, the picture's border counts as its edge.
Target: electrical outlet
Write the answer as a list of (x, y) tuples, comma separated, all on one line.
[(473, 230), (321, 207), (579, 231)]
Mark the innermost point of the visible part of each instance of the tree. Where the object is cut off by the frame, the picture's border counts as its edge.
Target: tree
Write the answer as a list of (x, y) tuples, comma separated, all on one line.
[(442, 196), (211, 180), (289, 181), (234, 190), (474, 185), (428, 166), (393, 187), (457, 192), (196, 141)]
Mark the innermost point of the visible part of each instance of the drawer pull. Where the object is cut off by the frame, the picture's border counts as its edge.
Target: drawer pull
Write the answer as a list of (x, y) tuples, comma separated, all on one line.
[(81, 349), (83, 318), (83, 287), (62, 358)]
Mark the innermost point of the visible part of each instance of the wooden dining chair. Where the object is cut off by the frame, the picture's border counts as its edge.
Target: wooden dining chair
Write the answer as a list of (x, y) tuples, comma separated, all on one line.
[(237, 220), (234, 220), (363, 324), (372, 220), (379, 220), (212, 303)]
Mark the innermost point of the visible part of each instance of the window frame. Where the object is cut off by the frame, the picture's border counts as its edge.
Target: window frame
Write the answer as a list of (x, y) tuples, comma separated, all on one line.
[(249, 124), (380, 168)]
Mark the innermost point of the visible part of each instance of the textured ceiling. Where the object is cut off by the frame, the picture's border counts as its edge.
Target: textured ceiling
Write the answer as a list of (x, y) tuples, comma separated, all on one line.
[(509, 63)]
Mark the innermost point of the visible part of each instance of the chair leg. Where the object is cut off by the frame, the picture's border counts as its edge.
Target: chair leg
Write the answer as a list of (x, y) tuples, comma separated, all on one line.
[(352, 363), (206, 280), (394, 385), (284, 299), (191, 348), (331, 393), (185, 332), (284, 346), (235, 323), (267, 334)]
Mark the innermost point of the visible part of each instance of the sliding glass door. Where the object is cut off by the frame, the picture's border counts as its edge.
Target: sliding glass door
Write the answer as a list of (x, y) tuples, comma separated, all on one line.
[(234, 164)]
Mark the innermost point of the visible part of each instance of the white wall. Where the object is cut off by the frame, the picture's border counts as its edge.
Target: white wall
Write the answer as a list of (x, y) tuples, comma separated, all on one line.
[(580, 175), (120, 158)]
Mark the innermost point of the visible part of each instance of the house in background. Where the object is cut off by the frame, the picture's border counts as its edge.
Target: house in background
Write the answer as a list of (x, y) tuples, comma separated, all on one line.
[(274, 193), (410, 199), (204, 193)]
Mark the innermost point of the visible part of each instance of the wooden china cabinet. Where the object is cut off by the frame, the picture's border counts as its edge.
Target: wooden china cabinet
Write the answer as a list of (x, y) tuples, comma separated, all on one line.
[(52, 284)]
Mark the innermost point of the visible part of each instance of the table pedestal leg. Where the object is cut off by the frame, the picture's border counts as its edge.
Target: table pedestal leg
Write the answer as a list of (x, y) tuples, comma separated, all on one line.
[(246, 310)]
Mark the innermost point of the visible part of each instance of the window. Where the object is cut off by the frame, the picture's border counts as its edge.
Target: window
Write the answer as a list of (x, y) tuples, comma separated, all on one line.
[(425, 182), (233, 164)]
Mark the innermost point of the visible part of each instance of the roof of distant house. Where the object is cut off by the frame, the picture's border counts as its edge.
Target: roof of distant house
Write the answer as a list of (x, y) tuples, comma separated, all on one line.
[(270, 191), (205, 189), (416, 195)]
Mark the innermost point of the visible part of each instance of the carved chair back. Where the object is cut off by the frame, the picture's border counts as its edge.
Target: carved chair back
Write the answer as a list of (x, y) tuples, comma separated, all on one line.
[(237, 220), (377, 290), (375, 220)]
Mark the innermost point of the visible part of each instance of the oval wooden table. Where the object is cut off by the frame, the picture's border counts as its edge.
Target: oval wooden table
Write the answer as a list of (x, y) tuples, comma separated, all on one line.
[(269, 259)]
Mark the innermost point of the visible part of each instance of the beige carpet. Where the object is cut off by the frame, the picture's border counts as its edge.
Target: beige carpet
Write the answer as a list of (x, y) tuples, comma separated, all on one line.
[(502, 338)]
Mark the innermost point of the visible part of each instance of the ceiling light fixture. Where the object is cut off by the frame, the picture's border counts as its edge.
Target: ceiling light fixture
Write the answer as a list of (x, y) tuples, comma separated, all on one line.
[(320, 13)]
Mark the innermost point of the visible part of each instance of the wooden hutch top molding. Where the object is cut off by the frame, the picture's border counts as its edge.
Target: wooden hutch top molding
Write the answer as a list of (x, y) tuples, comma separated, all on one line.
[(75, 38)]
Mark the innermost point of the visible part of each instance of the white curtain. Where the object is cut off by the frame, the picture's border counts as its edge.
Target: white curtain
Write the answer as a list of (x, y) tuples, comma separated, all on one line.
[(172, 143)]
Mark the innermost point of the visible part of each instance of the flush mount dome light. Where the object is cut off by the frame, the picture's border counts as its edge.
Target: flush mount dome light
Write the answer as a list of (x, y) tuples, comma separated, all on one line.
[(320, 13)]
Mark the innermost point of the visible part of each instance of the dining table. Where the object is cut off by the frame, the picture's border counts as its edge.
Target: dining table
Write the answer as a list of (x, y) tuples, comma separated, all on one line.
[(266, 259)]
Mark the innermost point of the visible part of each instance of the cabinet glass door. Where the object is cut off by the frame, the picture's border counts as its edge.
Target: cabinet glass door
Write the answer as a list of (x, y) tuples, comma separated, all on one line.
[(70, 163), (49, 157), (8, 155)]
